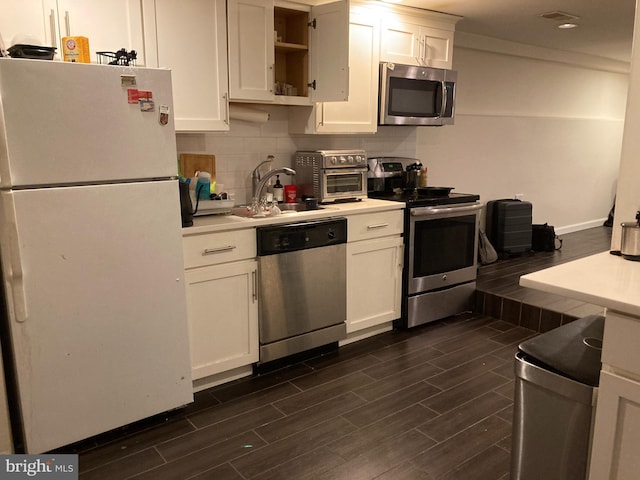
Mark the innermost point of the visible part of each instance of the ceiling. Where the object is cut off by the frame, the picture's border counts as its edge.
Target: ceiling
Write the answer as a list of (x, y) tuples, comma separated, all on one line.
[(605, 27)]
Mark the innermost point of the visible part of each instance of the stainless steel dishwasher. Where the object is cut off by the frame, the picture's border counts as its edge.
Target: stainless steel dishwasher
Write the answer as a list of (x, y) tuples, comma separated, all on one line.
[(302, 283)]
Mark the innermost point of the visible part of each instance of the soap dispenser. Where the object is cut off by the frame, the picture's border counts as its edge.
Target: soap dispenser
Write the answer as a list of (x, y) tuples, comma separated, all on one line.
[(278, 190)]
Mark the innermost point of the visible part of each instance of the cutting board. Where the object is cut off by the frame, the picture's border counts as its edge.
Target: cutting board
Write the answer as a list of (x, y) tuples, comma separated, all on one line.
[(190, 163)]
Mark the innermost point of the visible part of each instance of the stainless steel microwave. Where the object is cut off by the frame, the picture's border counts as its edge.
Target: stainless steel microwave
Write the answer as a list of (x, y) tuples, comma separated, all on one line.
[(412, 95)]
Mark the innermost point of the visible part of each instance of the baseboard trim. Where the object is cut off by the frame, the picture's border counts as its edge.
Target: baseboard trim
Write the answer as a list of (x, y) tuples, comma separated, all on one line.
[(580, 226)]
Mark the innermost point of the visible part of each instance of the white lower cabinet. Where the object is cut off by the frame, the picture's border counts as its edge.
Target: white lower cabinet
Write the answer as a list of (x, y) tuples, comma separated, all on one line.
[(616, 433), (617, 429), (221, 273), (374, 271), (222, 306)]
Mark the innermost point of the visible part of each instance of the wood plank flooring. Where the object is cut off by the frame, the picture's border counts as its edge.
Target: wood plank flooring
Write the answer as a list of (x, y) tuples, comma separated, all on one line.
[(434, 402)]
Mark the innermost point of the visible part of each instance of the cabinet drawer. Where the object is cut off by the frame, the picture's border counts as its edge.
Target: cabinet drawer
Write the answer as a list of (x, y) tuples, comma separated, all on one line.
[(222, 247), (373, 225)]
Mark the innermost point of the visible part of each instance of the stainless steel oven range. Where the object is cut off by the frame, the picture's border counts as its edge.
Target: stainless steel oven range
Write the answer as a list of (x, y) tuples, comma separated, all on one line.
[(441, 263), (441, 245)]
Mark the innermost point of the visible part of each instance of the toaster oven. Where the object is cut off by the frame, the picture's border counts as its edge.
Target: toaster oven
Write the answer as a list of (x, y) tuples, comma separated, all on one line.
[(332, 175)]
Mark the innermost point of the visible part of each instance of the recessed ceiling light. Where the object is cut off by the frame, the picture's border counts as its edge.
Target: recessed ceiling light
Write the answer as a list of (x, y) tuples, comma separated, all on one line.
[(568, 25)]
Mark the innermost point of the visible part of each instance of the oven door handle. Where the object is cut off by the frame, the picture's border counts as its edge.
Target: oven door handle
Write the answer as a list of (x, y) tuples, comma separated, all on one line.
[(344, 171), (422, 211)]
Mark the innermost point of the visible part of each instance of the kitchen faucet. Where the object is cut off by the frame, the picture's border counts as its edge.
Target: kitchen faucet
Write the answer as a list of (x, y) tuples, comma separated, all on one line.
[(256, 176), (265, 178)]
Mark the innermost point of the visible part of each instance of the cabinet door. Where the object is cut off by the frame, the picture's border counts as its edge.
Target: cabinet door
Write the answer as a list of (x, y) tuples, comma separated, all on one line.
[(329, 57), (192, 42), (360, 113), (614, 454), (401, 42), (437, 47), (251, 50), (108, 24), (374, 273), (412, 41), (31, 17), (222, 310)]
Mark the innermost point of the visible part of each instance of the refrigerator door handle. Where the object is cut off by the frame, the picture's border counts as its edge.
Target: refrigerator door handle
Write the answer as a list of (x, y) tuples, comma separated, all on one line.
[(52, 24), (16, 278), (67, 22)]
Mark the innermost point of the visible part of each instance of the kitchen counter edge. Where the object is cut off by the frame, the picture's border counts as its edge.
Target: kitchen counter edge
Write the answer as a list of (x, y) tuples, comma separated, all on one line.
[(221, 223), (601, 279)]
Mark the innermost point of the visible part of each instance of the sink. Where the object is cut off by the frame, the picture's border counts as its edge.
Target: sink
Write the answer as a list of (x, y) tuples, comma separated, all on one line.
[(285, 209), (296, 207)]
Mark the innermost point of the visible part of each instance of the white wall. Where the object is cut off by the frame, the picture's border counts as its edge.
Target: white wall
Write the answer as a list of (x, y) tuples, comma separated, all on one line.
[(628, 200), (548, 130)]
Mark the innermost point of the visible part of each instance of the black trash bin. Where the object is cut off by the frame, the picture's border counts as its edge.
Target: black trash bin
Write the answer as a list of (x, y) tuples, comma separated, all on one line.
[(556, 375)]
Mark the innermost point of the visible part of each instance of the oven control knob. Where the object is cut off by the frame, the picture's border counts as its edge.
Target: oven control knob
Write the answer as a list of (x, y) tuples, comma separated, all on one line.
[(331, 235), (350, 159), (333, 160), (343, 159), (444, 278)]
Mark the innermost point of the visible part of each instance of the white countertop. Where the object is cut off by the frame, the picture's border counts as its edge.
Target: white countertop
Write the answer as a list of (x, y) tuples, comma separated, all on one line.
[(218, 223), (601, 279)]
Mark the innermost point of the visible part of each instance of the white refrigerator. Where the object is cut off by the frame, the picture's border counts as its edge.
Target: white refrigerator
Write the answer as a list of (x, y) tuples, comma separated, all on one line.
[(91, 249)]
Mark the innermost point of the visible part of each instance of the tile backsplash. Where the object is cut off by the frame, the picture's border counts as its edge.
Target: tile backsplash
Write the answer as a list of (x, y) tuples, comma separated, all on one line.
[(247, 144)]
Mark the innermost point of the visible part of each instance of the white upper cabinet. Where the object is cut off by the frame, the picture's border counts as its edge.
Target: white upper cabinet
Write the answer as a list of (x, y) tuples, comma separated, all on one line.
[(108, 24), (251, 50), (288, 53), (393, 34), (422, 40), (29, 18), (190, 38), (329, 52), (359, 113)]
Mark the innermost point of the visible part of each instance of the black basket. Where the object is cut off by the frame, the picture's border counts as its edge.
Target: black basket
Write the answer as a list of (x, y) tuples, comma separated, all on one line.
[(121, 57)]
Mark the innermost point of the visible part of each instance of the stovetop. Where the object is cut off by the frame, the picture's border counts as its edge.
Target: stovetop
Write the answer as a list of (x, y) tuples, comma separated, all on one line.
[(415, 199)]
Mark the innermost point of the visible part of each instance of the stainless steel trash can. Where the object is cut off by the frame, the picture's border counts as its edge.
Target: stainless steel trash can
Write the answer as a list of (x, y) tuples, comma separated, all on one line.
[(556, 375)]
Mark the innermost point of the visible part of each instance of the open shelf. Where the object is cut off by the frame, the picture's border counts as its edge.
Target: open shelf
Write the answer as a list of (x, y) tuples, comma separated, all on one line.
[(290, 47), (291, 38)]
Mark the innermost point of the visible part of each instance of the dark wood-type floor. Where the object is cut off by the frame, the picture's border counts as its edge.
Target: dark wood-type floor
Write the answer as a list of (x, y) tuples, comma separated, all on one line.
[(500, 296), (431, 403)]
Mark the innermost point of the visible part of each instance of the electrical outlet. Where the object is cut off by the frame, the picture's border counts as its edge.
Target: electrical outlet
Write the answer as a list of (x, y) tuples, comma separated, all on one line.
[(519, 196)]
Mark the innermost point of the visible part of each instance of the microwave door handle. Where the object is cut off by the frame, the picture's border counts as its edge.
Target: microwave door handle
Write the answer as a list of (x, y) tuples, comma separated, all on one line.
[(443, 108)]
